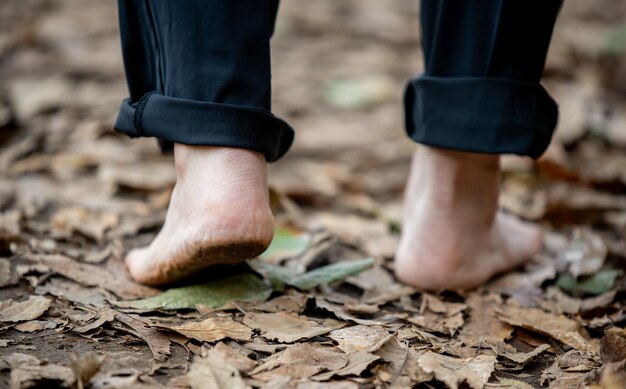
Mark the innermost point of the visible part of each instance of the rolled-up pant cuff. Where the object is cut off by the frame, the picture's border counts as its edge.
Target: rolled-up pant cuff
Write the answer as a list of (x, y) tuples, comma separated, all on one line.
[(201, 123), (483, 115)]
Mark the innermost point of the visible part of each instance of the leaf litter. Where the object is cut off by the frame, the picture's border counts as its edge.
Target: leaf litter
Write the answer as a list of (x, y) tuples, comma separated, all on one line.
[(321, 307)]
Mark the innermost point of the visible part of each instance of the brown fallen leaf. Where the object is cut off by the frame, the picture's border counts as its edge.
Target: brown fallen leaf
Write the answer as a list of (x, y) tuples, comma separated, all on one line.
[(327, 385), (76, 293), (28, 372), (105, 315), (10, 229), (233, 357), (520, 359), (357, 363), (558, 327), (379, 286), (159, 343), (89, 223), (613, 345), (288, 327), (35, 325), (86, 367), (439, 316), (483, 328), (292, 302), (474, 371), (211, 371), (152, 176), (92, 275), (360, 338), (212, 329), (7, 276), (298, 361), (341, 313), (30, 309), (578, 361)]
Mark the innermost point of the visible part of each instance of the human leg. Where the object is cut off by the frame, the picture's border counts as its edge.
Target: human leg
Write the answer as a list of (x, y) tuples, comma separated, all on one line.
[(478, 98), (199, 79)]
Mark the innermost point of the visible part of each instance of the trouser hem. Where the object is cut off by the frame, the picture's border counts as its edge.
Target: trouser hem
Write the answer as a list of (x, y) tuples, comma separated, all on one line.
[(483, 115), (201, 123)]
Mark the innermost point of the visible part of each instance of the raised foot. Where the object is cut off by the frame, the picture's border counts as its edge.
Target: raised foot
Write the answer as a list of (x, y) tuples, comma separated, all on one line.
[(218, 214), (453, 235)]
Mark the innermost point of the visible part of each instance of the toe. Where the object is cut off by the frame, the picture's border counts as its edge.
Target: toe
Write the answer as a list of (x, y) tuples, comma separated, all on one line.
[(523, 239), (137, 265)]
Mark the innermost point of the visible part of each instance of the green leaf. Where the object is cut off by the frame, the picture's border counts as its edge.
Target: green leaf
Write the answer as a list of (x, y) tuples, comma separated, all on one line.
[(287, 243), (511, 383), (213, 294), (280, 276), (598, 283)]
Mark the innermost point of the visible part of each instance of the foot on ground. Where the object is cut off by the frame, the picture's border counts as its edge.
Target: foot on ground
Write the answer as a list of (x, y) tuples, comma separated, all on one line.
[(219, 214), (453, 235)]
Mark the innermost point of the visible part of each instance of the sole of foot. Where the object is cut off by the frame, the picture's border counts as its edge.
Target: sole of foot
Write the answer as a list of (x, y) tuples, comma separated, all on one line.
[(218, 214), (453, 235)]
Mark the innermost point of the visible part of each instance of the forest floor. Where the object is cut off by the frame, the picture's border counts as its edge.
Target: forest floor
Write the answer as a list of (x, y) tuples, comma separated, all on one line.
[(321, 308)]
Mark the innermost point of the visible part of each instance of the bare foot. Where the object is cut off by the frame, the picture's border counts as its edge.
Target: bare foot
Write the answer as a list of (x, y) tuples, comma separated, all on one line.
[(219, 214), (453, 236)]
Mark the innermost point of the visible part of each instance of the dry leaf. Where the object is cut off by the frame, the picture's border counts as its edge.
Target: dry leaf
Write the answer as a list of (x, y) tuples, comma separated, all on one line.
[(360, 338), (233, 357), (159, 344), (7, 276), (288, 327), (212, 329), (212, 372), (357, 363), (483, 328), (613, 345), (300, 361), (520, 358), (35, 325), (92, 224), (558, 327), (474, 371), (105, 315), (86, 367), (30, 309), (92, 275), (28, 372)]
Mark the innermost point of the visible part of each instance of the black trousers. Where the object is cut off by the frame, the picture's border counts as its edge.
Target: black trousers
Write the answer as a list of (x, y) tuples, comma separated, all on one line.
[(199, 74)]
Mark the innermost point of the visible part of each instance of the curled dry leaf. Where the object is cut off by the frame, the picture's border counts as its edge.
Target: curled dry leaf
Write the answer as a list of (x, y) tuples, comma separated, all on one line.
[(360, 338), (159, 343), (558, 327), (287, 327), (92, 275), (474, 371), (92, 224), (235, 358), (211, 371), (7, 276), (30, 309), (35, 325), (357, 362), (212, 329), (613, 345), (483, 328), (519, 358), (28, 372), (301, 360), (439, 316)]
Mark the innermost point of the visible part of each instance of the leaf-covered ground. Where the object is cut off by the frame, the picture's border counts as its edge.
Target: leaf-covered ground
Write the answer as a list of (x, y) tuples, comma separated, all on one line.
[(320, 309)]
